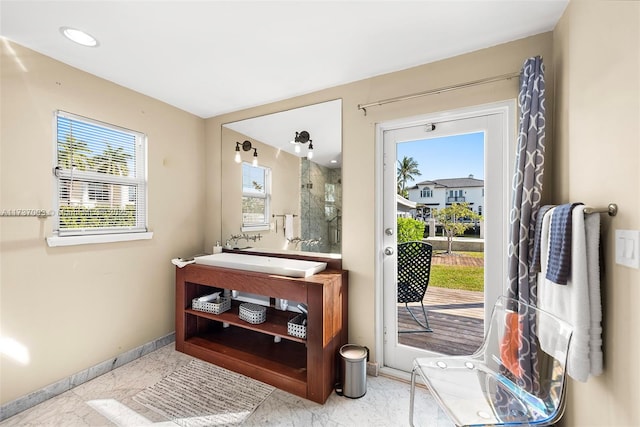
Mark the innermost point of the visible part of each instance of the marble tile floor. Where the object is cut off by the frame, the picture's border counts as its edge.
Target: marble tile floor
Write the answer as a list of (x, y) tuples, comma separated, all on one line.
[(108, 401)]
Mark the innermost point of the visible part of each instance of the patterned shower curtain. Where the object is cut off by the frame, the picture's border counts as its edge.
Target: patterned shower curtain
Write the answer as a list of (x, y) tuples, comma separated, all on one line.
[(526, 195)]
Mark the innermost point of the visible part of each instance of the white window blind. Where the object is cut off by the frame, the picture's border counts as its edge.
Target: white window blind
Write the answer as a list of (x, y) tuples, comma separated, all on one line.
[(101, 177)]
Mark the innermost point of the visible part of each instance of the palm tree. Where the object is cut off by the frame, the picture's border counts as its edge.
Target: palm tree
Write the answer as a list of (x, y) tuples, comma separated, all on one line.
[(73, 154), (407, 170), (112, 161)]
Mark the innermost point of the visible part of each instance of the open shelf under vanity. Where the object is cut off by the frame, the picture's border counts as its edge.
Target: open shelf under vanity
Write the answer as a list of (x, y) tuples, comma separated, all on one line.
[(302, 366)]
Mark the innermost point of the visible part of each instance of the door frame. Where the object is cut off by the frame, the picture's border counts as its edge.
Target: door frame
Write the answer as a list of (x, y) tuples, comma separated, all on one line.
[(508, 110)]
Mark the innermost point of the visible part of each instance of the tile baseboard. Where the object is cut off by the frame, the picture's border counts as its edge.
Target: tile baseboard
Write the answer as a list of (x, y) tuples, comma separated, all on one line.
[(25, 402)]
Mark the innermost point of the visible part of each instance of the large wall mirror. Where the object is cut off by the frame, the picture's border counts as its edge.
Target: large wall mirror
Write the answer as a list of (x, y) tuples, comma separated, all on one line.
[(296, 204)]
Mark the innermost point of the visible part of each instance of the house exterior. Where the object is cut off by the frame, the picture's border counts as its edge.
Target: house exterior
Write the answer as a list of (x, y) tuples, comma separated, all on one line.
[(405, 208), (95, 194), (440, 193)]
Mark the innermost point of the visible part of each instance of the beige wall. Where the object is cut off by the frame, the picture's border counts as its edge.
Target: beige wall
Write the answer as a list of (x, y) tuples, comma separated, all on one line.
[(597, 46), (74, 307), (285, 180), (359, 255)]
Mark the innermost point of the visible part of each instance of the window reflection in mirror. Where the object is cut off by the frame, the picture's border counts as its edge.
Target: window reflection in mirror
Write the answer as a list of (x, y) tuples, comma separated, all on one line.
[(309, 191), (256, 192)]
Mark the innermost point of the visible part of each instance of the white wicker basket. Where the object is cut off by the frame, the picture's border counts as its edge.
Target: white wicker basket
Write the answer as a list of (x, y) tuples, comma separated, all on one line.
[(296, 328), (212, 307), (253, 313)]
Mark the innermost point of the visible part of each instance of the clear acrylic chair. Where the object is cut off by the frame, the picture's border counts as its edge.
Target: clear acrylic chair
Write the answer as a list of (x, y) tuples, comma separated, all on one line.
[(493, 386)]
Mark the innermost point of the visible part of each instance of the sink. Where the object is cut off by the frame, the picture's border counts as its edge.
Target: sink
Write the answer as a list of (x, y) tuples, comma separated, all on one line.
[(263, 264)]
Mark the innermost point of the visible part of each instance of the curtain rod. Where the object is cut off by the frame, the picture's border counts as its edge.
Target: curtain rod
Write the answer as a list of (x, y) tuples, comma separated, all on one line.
[(439, 90)]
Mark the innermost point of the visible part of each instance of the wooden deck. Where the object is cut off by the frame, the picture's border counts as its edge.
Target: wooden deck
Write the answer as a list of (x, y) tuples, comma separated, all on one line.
[(456, 317)]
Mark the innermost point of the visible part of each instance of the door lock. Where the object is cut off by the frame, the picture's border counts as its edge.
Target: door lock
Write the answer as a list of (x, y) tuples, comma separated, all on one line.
[(388, 231)]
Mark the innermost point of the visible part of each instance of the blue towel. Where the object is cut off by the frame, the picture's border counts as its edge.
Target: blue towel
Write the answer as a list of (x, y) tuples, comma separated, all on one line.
[(534, 264), (559, 263)]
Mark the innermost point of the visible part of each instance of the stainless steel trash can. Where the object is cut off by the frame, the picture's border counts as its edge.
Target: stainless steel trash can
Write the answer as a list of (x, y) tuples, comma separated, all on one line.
[(353, 371)]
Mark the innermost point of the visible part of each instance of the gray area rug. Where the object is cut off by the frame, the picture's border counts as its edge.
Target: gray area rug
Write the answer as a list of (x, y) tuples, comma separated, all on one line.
[(201, 394)]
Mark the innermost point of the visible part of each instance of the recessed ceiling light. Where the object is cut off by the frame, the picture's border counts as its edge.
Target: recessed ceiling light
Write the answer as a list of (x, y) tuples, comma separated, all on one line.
[(79, 36)]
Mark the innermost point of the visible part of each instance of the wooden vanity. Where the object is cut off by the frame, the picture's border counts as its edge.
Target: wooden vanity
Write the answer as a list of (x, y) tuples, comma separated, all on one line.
[(304, 367)]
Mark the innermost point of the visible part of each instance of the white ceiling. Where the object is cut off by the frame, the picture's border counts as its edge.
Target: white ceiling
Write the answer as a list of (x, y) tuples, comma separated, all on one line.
[(213, 57), (323, 121)]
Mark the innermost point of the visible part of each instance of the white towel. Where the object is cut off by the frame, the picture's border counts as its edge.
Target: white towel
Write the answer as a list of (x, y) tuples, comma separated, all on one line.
[(592, 227), (208, 298), (179, 262), (288, 226), (578, 302)]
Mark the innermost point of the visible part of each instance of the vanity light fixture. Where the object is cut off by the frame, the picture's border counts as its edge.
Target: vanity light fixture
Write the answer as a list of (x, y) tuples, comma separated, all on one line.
[(302, 138), (310, 152), (78, 36), (237, 157), (246, 146)]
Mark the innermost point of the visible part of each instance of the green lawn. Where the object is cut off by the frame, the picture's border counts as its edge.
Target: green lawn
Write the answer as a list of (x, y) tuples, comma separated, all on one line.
[(458, 277), (473, 254)]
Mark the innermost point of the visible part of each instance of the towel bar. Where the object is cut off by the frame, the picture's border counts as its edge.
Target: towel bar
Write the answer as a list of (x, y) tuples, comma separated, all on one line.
[(611, 209)]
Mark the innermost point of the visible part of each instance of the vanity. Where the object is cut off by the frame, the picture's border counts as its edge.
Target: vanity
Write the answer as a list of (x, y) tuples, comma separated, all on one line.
[(306, 367)]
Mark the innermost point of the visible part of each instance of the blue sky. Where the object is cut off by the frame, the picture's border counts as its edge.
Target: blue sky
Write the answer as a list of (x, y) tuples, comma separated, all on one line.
[(454, 156)]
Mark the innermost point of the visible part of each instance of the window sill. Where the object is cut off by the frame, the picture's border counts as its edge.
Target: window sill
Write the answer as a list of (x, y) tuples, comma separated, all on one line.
[(54, 241), (262, 227)]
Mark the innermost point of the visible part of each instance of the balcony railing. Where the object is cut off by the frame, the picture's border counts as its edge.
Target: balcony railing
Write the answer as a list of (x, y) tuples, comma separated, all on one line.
[(456, 199)]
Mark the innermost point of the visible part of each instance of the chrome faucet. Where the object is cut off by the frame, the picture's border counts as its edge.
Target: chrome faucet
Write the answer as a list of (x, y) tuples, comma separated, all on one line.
[(299, 240), (245, 236)]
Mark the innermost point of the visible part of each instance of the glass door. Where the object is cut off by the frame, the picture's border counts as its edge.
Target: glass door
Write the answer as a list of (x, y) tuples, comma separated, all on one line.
[(433, 168)]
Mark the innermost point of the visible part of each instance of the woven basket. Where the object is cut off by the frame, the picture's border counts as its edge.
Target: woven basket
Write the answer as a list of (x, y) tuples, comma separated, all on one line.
[(296, 328), (253, 313), (212, 307)]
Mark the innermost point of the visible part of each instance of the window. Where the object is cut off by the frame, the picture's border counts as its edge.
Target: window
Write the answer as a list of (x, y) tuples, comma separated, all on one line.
[(101, 178), (256, 194), (455, 196), (426, 192)]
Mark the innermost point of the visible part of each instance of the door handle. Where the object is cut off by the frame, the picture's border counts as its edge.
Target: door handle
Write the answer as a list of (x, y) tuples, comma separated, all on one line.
[(388, 231), (388, 250)]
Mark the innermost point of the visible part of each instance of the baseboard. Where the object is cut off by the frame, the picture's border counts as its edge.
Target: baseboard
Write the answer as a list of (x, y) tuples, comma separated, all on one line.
[(25, 402), (373, 369)]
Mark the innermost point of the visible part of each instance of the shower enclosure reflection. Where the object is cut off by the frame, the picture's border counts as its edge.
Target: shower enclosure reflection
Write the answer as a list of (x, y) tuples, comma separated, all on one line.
[(320, 206)]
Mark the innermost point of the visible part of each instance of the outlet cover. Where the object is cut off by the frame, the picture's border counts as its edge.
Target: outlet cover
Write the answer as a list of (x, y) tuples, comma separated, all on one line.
[(628, 248)]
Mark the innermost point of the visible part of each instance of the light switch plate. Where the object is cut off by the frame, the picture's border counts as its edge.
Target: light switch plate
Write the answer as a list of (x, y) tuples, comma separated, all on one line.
[(628, 248)]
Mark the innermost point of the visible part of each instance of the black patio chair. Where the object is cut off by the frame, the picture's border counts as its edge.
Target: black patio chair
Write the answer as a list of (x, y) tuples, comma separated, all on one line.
[(414, 269)]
